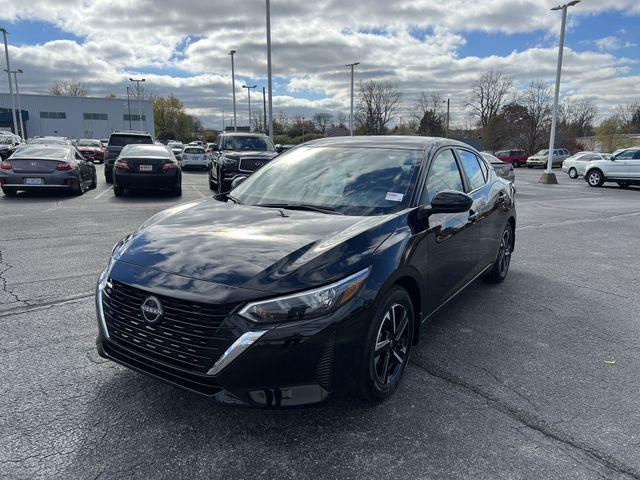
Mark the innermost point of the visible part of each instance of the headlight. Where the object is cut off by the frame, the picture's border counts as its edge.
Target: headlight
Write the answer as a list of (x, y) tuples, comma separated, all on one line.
[(309, 304), (226, 160)]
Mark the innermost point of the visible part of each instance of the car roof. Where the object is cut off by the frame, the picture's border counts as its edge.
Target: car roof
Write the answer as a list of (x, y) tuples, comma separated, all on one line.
[(242, 134), (131, 132), (388, 141)]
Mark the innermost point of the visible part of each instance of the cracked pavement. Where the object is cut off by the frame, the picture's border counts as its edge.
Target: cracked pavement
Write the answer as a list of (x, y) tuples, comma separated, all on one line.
[(507, 382)]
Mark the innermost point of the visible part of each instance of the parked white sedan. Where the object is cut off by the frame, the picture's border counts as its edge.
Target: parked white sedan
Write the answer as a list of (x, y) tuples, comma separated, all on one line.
[(575, 165), (194, 156)]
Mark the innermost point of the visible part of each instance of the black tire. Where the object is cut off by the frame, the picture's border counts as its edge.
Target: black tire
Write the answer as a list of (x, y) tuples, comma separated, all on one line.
[(108, 177), (573, 173), (384, 363), (94, 182), (212, 185), (500, 267), (78, 189), (223, 186), (529, 166), (624, 184), (9, 192), (118, 191), (595, 178), (177, 191), (516, 164)]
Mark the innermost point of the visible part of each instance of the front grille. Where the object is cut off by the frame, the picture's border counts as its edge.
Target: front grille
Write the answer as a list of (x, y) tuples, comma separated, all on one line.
[(189, 336), (252, 164)]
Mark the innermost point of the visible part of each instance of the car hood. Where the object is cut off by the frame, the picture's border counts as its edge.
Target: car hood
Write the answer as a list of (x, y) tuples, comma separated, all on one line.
[(265, 249), (244, 154)]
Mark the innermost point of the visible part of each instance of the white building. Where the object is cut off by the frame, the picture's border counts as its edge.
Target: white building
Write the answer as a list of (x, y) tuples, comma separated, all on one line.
[(76, 117)]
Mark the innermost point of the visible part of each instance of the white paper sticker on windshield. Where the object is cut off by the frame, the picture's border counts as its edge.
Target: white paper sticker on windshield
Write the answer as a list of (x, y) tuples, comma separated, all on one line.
[(394, 197)]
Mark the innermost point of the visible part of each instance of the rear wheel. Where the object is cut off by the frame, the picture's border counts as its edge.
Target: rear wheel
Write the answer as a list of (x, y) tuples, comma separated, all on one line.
[(388, 345), (118, 191), (108, 177), (78, 188), (573, 173), (500, 267), (94, 182), (516, 163), (9, 192), (595, 178)]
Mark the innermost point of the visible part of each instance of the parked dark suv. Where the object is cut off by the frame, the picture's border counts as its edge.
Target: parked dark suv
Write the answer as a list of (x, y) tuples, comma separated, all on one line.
[(117, 141), (238, 155)]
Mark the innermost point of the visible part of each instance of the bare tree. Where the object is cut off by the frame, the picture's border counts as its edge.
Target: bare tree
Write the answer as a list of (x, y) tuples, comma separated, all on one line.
[(488, 94), (629, 114), (534, 123), (342, 119), (429, 114), (579, 114), (378, 104), (68, 88), (321, 120)]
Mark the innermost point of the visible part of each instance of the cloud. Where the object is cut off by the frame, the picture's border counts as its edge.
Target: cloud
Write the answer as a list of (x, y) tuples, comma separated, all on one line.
[(611, 43), (182, 48)]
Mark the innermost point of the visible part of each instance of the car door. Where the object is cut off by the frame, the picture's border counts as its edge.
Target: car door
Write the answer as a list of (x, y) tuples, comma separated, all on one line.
[(450, 239), (633, 169), (619, 167), (487, 212)]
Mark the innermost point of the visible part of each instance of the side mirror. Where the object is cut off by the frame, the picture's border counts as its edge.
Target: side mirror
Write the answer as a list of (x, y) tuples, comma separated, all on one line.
[(280, 148), (447, 201), (237, 181)]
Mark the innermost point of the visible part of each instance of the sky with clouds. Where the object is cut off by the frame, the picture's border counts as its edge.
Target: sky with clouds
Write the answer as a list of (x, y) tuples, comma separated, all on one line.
[(419, 45)]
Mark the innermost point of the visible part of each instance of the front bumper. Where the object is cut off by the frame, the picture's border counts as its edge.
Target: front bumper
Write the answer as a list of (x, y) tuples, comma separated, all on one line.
[(283, 365)]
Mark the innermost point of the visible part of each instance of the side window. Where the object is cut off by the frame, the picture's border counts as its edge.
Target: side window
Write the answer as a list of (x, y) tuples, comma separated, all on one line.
[(471, 166), (636, 156), (444, 174), (485, 169), (625, 155)]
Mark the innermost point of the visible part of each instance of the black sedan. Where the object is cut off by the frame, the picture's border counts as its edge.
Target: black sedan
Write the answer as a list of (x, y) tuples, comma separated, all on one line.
[(146, 167), (34, 167), (312, 276)]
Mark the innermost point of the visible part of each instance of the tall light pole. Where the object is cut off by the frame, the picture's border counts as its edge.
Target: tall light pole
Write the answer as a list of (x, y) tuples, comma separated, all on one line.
[(249, 87), (13, 101), (129, 106), (233, 88), (264, 111), (549, 177), (448, 102), (15, 77), (223, 125), (351, 114), (269, 80), (137, 81)]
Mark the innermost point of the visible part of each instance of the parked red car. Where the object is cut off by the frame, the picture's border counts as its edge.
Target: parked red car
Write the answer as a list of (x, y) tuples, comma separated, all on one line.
[(516, 158), (91, 149)]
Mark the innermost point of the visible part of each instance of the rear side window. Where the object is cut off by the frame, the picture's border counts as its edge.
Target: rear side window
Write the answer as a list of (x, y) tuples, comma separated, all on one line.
[(471, 166), (122, 140), (443, 175)]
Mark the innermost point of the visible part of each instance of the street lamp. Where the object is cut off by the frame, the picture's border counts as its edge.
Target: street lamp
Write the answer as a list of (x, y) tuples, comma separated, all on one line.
[(129, 106), (549, 177), (448, 102), (249, 87), (269, 80), (15, 76), (13, 101), (137, 81), (351, 114), (233, 88)]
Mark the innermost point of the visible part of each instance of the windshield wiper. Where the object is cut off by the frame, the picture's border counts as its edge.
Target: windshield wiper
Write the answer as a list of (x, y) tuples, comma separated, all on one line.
[(301, 206), (233, 199)]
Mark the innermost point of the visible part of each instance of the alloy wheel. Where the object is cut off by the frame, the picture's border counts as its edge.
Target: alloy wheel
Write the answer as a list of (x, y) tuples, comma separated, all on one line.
[(504, 255), (573, 173), (594, 179), (392, 345)]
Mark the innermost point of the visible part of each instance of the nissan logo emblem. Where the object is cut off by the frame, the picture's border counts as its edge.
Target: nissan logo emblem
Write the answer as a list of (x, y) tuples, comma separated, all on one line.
[(152, 309)]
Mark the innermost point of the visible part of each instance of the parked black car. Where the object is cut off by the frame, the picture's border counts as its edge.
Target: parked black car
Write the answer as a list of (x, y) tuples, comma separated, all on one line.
[(117, 141), (146, 167), (8, 145), (237, 155), (36, 166), (312, 276)]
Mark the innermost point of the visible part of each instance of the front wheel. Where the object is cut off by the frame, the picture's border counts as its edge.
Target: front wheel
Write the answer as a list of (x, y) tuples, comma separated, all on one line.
[(388, 345), (500, 267), (595, 178), (573, 173), (516, 164)]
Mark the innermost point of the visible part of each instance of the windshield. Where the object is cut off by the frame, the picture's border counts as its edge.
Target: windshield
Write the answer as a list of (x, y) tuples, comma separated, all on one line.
[(122, 140), (6, 141), (353, 181), (43, 141), (247, 143), (194, 150), (40, 152), (543, 152), (175, 145), (88, 143)]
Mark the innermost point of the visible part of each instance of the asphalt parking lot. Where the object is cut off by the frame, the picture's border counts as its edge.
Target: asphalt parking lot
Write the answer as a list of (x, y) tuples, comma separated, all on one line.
[(534, 378)]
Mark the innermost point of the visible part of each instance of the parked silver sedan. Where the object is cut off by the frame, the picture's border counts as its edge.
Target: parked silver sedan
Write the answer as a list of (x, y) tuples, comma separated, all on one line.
[(575, 165), (504, 169)]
